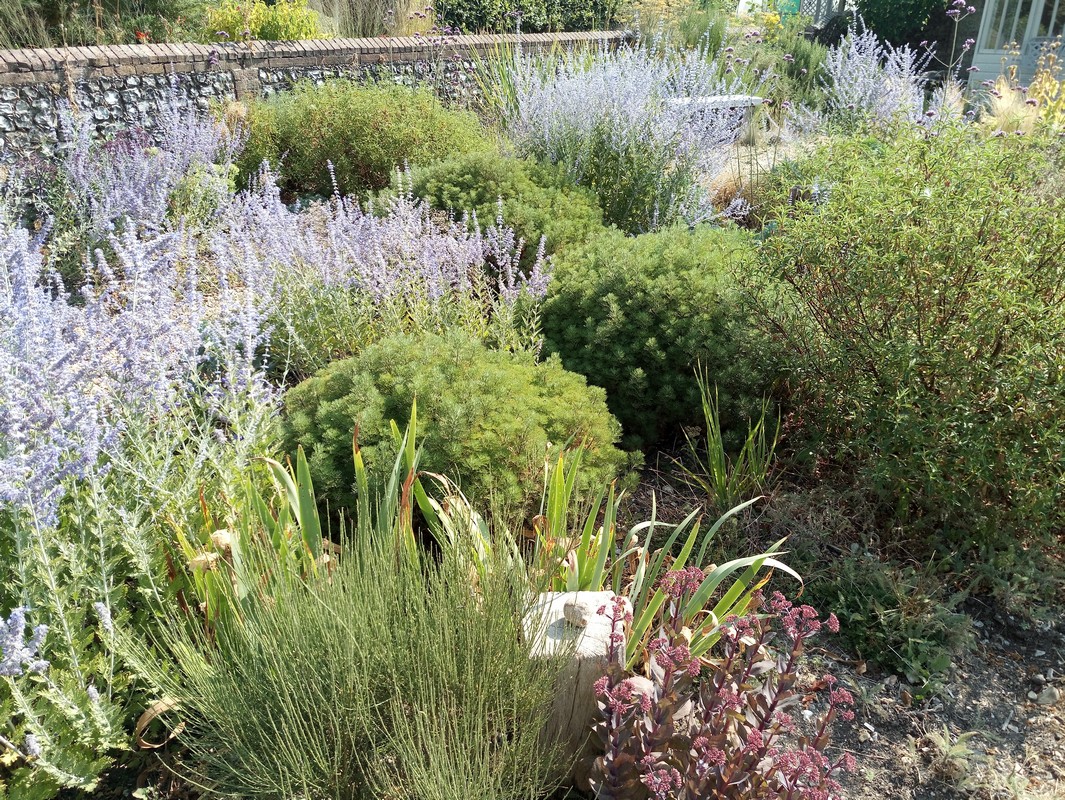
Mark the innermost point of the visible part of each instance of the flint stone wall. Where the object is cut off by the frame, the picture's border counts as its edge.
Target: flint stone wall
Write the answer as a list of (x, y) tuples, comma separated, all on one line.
[(120, 86)]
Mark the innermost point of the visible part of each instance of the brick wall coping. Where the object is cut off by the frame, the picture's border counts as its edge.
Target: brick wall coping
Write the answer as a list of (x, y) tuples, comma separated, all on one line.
[(18, 67)]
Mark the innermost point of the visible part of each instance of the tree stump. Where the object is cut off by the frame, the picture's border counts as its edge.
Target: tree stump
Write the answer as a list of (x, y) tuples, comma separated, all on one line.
[(568, 622)]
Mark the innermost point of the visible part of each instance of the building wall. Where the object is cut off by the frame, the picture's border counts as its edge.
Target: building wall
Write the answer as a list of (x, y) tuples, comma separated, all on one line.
[(121, 85)]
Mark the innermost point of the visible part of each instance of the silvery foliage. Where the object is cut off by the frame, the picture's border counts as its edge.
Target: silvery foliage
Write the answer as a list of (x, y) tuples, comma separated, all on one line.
[(623, 122), (130, 180), (71, 371), (401, 250), (19, 654), (148, 338), (866, 80)]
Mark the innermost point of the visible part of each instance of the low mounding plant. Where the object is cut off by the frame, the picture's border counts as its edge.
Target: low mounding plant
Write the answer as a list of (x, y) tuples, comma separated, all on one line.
[(629, 124), (535, 200), (732, 732), (636, 315), (387, 674), (350, 137), (920, 300), (282, 20), (490, 418), (532, 16)]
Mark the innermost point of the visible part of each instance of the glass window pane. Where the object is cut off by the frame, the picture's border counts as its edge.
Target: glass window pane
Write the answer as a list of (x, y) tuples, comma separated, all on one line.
[(1007, 23), (1052, 20)]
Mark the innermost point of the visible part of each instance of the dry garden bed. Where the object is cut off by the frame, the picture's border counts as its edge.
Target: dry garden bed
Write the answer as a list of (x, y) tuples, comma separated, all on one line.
[(306, 405)]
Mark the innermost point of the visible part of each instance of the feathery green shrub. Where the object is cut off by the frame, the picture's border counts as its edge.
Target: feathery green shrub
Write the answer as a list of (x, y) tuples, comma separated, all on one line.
[(536, 200), (637, 315), (490, 418), (364, 131)]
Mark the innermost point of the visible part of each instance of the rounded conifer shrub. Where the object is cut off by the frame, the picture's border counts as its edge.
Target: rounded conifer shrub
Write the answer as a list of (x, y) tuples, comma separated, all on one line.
[(487, 419), (638, 316)]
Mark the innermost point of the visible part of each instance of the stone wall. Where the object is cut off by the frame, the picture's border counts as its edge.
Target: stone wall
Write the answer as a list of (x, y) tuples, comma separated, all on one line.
[(122, 85)]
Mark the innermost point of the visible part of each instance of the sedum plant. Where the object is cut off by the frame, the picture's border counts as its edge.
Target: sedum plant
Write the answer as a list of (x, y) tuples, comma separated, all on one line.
[(718, 727)]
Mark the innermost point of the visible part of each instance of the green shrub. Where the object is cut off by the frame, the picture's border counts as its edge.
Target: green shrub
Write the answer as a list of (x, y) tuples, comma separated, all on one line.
[(364, 131), (899, 21), (283, 20), (636, 316), (490, 418), (538, 201), (921, 307), (475, 16)]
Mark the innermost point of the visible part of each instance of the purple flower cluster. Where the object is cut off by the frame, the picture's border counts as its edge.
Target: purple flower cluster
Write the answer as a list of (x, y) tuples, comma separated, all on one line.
[(129, 180), (400, 252), (72, 373), (51, 424), (18, 654), (959, 10)]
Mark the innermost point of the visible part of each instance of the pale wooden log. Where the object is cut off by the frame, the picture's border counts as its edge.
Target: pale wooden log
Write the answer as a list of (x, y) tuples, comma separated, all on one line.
[(568, 622)]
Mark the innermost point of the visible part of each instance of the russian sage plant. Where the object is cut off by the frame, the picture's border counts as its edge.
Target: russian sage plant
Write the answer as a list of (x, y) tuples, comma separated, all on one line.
[(144, 350), (866, 80), (344, 277), (129, 180), (632, 123)]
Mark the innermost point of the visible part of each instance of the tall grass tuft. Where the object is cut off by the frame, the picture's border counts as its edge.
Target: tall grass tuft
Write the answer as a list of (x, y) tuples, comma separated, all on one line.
[(357, 18), (395, 675), (729, 481)]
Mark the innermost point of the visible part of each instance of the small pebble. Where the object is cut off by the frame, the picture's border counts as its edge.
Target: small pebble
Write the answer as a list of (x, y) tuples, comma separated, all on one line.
[(1049, 696)]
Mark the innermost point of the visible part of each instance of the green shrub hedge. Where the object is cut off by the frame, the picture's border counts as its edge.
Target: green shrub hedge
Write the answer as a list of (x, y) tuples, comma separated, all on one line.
[(364, 131), (488, 418), (475, 16), (538, 201), (636, 315), (921, 306)]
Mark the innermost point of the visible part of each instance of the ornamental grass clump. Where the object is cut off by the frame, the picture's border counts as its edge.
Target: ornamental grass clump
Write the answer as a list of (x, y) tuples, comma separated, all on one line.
[(387, 675), (628, 123), (720, 726)]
